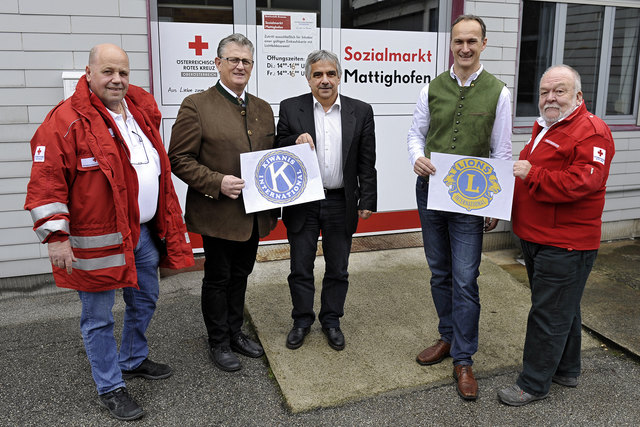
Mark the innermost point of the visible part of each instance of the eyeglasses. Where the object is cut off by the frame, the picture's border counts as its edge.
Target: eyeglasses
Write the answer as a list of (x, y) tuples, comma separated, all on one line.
[(138, 151), (235, 61)]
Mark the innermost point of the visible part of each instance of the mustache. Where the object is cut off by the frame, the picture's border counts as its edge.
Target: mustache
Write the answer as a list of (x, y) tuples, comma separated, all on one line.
[(554, 105)]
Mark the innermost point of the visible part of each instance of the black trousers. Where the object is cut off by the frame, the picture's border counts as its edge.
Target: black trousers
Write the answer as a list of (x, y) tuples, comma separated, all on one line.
[(326, 216), (226, 269), (552, 345)]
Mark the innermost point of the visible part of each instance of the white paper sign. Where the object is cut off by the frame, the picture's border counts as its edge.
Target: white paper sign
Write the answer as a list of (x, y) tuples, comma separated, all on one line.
[(280, 177), (284, 41), (471, 185)]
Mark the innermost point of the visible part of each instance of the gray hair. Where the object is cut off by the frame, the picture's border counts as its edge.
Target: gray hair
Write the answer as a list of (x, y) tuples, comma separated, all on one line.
[(236, 38), (471, 18), (321, 55), (576, 76)]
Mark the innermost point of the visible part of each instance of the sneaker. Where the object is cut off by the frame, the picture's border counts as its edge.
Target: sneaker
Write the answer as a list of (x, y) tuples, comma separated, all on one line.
[(515, 396), (121, 405), (565, 381), (148, 369)]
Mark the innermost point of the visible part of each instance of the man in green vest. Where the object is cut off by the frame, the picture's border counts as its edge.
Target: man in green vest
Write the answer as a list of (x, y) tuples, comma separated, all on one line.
[(464, 111)]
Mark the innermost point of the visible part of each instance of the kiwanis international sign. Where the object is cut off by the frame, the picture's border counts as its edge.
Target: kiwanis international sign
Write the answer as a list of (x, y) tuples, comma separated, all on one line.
[(471, 185), (280, 177)]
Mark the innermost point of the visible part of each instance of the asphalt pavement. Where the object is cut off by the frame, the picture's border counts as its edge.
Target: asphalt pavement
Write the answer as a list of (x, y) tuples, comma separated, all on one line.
[(45, 377)]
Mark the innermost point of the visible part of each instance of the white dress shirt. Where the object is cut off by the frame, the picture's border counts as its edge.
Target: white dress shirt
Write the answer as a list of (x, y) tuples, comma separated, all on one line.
[(500, 135), (329, 143), (232, 93), (145, 160)]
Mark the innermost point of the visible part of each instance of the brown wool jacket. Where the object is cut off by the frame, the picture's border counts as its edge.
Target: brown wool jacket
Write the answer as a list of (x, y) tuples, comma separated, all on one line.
[(210, 133)]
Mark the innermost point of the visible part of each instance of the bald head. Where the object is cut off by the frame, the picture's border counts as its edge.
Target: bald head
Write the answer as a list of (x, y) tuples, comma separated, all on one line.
[(95, 51), (108, 74)]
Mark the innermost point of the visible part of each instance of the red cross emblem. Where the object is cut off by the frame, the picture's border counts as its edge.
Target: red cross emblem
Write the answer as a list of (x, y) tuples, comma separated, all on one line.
[(600, 153), (39, 150), (198, 45)]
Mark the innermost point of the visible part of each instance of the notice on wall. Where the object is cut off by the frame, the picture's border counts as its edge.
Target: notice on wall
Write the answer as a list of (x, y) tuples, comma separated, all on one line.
[(386, 66), (284, 41), (471, 185), (187, 60)]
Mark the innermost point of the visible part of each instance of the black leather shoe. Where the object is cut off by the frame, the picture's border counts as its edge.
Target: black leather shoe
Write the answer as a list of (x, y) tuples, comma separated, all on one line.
[(244, 345), (334, 337), (148, 369), (121, 405), (223, 358), (295, 339)]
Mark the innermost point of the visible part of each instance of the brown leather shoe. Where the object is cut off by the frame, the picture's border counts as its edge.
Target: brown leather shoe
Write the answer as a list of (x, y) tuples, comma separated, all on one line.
[(467, 384), (434, 354)]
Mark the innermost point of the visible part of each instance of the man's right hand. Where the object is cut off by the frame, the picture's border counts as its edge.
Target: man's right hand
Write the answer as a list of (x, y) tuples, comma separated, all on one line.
[(232, 186), (424, 167), (61, 255), (305, 138)]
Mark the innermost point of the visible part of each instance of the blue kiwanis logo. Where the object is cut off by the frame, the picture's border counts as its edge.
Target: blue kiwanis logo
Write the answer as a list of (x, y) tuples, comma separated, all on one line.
[(472, 183), (281, 177)]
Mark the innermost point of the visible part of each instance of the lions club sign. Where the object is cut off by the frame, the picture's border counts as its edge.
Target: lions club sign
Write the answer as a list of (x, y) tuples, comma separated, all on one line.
[(471, 185)]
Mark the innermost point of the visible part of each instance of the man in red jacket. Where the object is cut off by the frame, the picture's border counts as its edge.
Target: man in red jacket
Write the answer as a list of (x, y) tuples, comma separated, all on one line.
[(101, 197), (557, 209)]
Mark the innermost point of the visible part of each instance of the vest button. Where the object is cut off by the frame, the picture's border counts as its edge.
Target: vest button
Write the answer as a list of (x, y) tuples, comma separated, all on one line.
[(460, 106), (462, 97), (453, 146), (459, 113), (243, 112), (454, 138), (457, 122), (455, 130), (249, 132)]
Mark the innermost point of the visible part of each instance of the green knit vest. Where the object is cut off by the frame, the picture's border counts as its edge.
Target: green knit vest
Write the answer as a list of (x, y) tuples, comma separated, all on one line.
[(462, 117)]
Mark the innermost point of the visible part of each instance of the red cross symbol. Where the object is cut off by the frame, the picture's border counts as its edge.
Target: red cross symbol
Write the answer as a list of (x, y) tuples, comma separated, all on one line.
[(39, 150), (600, 153), (198, 45)]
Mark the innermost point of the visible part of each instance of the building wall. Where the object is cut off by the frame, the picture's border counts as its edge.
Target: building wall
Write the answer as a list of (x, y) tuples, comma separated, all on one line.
[(40, 39)]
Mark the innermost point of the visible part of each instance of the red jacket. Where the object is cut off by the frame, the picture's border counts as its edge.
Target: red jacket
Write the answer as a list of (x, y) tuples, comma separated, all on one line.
[(560, 202), (83, 185)]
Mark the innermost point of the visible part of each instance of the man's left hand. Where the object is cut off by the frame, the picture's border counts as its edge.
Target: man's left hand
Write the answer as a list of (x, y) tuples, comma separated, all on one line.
[(490, 223), (364, 213)]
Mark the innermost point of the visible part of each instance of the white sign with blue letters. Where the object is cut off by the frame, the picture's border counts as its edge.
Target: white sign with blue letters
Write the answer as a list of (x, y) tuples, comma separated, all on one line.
[(280, 177)]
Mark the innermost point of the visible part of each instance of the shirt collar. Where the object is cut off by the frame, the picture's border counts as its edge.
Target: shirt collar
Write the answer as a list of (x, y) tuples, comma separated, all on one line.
[(542, 122), (232, 93), (337, 102), (471, 78), (115, 115)]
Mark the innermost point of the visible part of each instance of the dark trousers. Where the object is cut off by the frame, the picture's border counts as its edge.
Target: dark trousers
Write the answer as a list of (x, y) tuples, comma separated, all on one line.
[(552, 345), (226, 269), (326, 216)]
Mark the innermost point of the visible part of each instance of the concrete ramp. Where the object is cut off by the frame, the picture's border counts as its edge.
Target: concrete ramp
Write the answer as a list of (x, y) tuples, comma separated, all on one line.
[(389, 318)]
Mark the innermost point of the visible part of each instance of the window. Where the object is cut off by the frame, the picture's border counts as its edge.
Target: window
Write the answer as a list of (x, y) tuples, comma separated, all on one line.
[(600, 42), (404, 15)]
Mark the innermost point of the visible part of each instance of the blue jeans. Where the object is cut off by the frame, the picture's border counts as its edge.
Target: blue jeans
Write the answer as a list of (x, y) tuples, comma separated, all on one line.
[(96, 320), (554, 328), (453, 247)]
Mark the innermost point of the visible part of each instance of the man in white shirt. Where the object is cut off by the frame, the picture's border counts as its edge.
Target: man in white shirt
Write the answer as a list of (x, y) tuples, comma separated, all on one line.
[(341, 131), (464, 111)]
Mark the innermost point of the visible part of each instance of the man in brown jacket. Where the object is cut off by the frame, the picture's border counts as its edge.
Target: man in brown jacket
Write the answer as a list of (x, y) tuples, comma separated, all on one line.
[(211, 131)]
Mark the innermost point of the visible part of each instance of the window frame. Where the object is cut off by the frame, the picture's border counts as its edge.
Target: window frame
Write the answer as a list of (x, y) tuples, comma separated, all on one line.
[(557, 57)]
